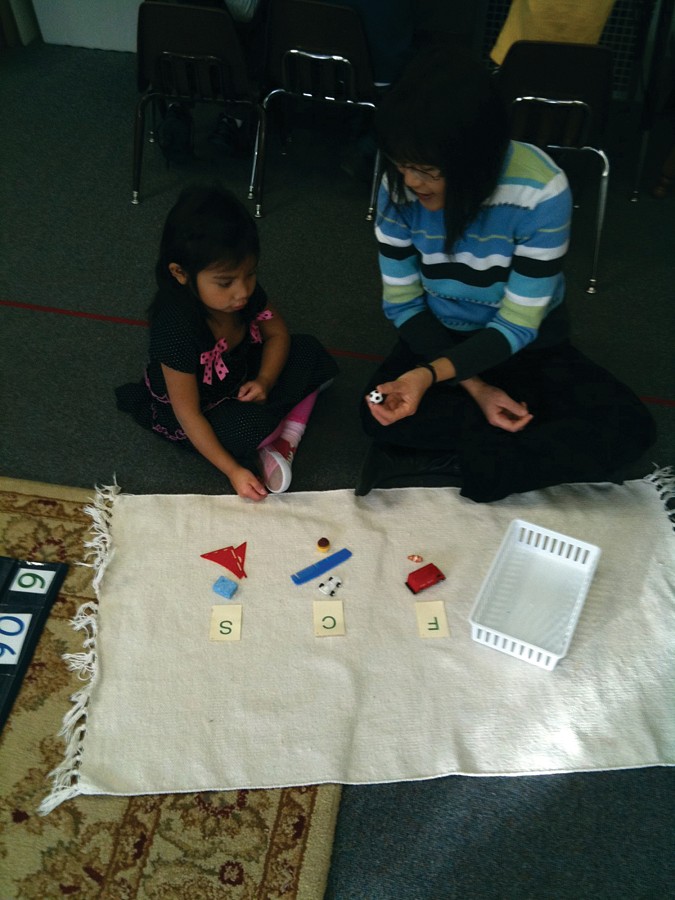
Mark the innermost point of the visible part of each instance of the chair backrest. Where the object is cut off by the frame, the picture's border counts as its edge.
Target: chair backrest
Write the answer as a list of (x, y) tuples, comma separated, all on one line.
[(560, 72), (190, 52), (546, 122), (319, 50)]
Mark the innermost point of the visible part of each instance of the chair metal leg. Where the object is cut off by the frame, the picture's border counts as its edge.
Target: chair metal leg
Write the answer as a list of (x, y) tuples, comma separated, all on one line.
[(139, 137), (640, 165), (377, 174), (255, 191), (258, 170), (600, 218), (153, 123), (254, 165)]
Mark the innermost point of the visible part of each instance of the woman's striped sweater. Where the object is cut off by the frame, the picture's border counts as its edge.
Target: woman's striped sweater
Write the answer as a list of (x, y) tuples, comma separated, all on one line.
[(503, 277)]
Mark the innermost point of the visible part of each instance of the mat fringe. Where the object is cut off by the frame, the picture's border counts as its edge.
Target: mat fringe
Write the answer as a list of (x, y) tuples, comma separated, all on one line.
[(664, 480), (98, 553)]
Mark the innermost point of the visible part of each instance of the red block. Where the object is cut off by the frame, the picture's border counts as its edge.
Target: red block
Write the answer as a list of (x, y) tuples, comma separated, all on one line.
[(423, 578)]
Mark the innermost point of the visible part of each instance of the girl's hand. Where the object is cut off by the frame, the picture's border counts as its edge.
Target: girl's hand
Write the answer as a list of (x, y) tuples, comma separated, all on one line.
[(401, 397), (253, 392), (499, 409), (247, 485)]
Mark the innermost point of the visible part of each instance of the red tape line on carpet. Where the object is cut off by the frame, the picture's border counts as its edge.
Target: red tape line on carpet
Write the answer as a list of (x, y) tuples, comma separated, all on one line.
[(121, 320)]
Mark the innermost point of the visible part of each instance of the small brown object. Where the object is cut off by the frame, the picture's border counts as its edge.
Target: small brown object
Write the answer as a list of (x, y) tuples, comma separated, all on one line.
[(323, 544), (416, 558)]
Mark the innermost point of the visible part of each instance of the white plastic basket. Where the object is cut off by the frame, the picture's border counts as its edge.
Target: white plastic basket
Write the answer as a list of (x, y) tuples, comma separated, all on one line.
[(530, 601)]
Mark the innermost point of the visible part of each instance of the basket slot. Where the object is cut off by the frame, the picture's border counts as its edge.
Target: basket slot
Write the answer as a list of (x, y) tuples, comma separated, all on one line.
[(554, 546), (505, 644), (525, 535)]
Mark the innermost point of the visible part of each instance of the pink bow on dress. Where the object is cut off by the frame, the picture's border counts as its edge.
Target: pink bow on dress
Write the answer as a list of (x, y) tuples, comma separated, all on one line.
[(211, 359)]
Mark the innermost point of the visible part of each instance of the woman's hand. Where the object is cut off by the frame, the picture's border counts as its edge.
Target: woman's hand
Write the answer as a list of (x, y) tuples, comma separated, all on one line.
[(498, 408), (247, 485), (255, 391), (401, 397)]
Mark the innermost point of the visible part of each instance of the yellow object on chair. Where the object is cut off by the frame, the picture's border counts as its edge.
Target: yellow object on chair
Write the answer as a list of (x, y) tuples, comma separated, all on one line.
[(574, 21)]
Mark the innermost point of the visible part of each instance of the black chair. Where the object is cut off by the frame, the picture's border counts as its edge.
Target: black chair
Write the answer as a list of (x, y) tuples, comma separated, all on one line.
[(188, 54), (560, 94), (318, 53), (658, 92)]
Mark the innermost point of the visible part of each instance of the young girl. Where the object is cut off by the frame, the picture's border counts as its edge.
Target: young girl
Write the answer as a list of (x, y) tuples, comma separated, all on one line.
[(472, 230), (224, 377)]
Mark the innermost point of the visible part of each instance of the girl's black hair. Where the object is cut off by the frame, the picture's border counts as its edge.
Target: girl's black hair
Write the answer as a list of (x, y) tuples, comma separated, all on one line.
[(206, 226), (446, 111)]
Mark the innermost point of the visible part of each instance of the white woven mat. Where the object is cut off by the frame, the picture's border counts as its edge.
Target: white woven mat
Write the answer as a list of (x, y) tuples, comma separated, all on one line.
[(168, 710)]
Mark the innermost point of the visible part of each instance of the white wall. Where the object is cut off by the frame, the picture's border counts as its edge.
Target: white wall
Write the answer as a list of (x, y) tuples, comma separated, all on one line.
[(24, 17), (102, 24)]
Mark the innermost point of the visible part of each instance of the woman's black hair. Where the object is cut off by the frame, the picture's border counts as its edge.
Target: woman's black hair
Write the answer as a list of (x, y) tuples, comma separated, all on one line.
[(207, 226), (446, 111)]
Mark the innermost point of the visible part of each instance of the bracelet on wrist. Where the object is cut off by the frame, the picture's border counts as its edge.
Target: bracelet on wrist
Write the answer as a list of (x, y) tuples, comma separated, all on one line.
[(430, 368)]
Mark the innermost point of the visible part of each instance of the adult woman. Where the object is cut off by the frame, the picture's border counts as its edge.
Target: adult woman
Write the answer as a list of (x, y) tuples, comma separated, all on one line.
[(472, 230)]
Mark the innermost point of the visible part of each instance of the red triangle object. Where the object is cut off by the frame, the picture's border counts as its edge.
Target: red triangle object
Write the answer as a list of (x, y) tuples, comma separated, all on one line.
[(240, 553), (230, 557)]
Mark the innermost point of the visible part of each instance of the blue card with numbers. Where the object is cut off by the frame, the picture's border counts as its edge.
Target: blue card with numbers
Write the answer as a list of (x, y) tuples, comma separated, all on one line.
[(27, 592)]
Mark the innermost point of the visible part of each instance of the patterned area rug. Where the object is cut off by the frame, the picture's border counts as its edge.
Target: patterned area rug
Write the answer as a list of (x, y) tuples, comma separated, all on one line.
[(236, 844)]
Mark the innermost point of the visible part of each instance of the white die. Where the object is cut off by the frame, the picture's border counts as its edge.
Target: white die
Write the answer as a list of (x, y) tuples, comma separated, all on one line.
[(330, 586), (375, 397)]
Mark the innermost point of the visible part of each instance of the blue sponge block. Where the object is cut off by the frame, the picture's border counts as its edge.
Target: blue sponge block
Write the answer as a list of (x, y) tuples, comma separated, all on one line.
[(225, 587)]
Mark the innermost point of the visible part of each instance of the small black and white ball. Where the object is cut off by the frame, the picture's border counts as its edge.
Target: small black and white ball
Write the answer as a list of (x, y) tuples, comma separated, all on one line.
[(375, 397), (330, 586)]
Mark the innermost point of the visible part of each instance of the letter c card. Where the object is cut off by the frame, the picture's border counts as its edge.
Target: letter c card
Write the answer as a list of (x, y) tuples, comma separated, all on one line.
[(329, 618)]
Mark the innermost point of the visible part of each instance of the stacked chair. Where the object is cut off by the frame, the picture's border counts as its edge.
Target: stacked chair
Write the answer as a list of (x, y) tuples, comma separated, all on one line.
[(188, 54), (316, 53)]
